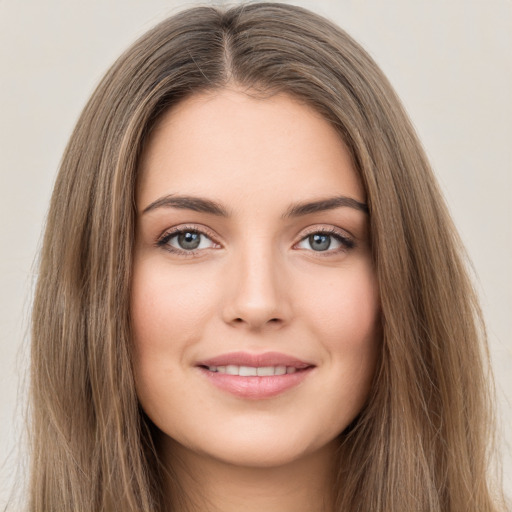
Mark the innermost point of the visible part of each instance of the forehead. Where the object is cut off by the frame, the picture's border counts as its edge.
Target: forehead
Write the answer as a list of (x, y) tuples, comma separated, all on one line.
[(232, 146)]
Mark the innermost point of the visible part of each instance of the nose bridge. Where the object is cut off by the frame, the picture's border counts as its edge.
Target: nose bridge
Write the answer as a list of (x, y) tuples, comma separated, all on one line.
[(257, 293)]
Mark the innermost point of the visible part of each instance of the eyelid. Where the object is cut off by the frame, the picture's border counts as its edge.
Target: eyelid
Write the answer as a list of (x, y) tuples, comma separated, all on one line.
[(345, 238), (162, 240)]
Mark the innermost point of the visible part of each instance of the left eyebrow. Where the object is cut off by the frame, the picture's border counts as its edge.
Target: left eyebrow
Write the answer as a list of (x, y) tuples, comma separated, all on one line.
[(306, 208)]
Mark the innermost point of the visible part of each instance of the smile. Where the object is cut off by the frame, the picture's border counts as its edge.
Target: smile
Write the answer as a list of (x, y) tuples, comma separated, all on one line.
[(251, 371), (255, 376)]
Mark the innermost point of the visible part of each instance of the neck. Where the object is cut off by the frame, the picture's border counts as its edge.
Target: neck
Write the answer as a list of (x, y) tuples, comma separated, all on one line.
[(303, 485)]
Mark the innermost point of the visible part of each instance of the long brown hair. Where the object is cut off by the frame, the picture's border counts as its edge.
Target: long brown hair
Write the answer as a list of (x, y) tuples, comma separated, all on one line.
[(421, 443)]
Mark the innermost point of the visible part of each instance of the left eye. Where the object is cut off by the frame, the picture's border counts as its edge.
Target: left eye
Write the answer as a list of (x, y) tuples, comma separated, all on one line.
[(321, 242), (188, 240)]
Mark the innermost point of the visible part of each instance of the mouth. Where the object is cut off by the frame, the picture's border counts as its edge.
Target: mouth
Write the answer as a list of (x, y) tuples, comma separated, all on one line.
[(251, 371), (255, 376)]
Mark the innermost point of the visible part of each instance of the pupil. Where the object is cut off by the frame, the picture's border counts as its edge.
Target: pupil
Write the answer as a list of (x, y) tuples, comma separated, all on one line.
[(320, 242), (189, 240)]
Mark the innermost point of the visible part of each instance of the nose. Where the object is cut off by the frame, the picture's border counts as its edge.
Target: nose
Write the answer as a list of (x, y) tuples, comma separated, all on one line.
[(256, 291)]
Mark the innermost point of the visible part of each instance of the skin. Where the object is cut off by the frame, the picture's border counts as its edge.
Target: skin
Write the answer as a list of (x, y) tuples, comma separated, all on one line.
[(255, 284)]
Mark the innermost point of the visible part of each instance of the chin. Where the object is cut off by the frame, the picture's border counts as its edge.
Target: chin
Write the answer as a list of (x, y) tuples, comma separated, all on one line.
[(251, 444)]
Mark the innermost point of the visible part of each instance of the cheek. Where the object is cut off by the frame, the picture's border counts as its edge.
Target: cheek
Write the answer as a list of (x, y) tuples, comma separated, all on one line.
[(347, 307), (169, 310), (167, 305), (346, 318)]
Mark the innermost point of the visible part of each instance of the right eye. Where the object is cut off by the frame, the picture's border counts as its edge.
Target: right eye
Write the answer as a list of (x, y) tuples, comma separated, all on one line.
[(185, 241)]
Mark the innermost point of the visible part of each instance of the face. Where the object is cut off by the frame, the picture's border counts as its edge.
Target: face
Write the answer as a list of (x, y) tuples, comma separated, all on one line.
[(254, 302)]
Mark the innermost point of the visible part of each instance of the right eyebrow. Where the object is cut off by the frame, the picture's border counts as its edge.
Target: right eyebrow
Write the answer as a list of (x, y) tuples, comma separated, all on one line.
[(197, 204)]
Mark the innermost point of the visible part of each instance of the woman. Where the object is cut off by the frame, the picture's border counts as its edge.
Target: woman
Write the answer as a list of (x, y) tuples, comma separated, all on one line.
[(251, 293)]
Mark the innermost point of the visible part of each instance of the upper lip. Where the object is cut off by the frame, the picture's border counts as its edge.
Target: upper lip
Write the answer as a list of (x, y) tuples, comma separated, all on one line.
[(255, 360)]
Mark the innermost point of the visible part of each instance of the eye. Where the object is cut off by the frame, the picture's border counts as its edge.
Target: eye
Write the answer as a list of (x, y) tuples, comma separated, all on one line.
[(185, 241), (326, 241)]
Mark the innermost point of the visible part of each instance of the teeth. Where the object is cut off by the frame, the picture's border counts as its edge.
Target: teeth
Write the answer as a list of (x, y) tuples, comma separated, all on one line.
[(231, 369), (247, 371), (264, 371), (280, 370), (250, 371)]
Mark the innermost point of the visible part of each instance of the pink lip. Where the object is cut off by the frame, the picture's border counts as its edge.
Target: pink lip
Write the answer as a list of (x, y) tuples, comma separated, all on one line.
[(255, 360), (255, 387)]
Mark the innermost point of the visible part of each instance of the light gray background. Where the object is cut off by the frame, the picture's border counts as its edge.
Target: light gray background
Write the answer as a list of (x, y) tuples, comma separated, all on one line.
[(450, 61)]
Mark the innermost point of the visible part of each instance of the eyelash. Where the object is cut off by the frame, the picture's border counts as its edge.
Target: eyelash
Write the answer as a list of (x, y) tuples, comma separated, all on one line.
[(164, 240), (346, 242)]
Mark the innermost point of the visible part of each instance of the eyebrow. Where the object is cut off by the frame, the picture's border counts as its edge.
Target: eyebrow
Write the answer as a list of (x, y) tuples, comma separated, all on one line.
[(196, 204), (306, 208), (203, 205)]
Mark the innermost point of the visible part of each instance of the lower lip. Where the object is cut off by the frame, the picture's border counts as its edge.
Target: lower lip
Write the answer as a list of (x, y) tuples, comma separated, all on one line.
[(256, 388)]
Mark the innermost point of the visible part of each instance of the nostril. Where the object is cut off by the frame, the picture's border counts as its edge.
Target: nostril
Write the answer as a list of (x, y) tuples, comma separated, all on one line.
[(270, 321)]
